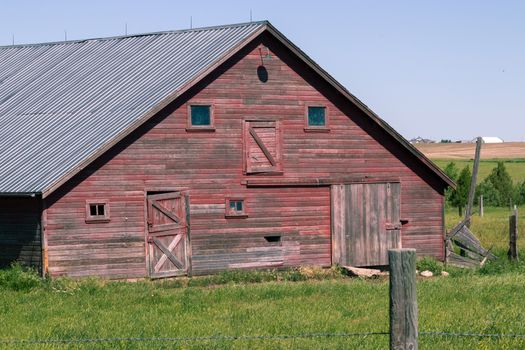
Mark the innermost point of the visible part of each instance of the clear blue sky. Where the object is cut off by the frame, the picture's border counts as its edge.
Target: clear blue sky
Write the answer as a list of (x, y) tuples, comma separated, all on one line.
[(438, 69)]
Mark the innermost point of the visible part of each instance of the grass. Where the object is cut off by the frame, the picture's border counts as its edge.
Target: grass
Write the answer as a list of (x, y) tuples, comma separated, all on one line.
[(298, 301), (484, 301), (515, 167)]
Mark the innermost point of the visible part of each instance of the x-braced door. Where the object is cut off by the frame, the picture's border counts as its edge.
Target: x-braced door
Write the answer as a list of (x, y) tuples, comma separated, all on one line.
[(167, 237)]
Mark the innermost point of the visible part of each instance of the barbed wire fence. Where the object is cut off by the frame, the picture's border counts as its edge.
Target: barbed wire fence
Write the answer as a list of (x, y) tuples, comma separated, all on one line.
[(247, 337)]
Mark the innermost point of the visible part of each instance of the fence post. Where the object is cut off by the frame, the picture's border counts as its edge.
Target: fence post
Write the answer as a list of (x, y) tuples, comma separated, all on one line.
[(481, 205), (403, 300), (513, 236)]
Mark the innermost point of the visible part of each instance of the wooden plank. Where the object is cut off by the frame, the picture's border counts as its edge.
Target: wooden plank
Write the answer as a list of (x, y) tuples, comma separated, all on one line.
[(165, 211), (462, 261), (305, 181), (263, 147), (163, 258), (160, 230), (167, 252), (338, 222)]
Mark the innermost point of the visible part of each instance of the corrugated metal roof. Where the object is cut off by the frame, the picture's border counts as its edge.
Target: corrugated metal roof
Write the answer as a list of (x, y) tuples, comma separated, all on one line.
[(61, 102)]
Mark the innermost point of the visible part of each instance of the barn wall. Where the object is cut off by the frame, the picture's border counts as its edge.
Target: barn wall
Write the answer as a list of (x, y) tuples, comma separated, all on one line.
[(20, 231), (162, 154)]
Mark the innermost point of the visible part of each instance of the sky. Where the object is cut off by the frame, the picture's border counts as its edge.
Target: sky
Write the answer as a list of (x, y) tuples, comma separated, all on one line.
[(437, 69)]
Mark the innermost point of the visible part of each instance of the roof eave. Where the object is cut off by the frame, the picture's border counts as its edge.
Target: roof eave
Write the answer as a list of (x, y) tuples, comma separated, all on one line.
[(20, 194)]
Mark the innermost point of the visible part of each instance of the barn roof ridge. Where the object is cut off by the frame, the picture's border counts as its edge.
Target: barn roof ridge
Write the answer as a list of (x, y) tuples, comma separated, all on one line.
[(35, 87), (135, 35)]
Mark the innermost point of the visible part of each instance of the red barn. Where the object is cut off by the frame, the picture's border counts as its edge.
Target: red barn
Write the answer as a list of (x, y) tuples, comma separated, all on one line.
[(196, 151)]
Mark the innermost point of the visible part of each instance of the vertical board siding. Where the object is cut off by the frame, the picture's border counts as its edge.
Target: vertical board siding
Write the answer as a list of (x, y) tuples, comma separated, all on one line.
[(20, 232), (209, 165), (369, 224)]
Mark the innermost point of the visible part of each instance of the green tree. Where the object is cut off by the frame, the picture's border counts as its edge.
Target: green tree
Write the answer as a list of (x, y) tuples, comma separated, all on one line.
[(520, 193), (489, 192), (452, 171), (460, 196), (497, 189)]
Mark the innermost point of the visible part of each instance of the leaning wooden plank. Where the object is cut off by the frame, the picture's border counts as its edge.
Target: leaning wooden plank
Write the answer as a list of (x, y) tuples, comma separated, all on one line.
[(472, 190), (466, 239), (470, 253), (462, 261), (458, 227)]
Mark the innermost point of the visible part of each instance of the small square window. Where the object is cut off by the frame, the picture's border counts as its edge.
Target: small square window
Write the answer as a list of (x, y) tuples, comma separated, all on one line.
[(316, 119), (200, 115), (97, 211), (235, 207), (316, 116)]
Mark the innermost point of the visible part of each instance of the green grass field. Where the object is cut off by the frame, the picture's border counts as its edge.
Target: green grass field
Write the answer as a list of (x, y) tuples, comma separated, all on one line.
[(462, 303), (487, 300), (515, 167)]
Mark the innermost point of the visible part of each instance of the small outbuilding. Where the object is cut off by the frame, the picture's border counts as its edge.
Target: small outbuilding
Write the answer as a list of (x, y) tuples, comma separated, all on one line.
[(197, 151)]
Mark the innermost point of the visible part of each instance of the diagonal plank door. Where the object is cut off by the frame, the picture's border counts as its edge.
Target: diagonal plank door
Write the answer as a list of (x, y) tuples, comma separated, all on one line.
[(262, 147), (167, 236), (365, 223)]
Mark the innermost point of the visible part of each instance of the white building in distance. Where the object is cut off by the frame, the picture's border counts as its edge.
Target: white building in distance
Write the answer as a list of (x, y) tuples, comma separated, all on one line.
[(490, 139)]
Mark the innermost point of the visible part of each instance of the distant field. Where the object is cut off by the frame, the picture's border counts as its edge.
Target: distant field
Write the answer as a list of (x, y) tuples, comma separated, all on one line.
[(511, 153), (465, 151)]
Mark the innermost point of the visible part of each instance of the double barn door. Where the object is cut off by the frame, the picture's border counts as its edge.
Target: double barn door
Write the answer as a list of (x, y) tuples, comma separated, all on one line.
[(365, 223), (167, 234)]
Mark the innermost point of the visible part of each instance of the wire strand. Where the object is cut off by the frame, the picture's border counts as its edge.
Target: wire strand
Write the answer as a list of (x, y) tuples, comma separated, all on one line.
[(248, 337)]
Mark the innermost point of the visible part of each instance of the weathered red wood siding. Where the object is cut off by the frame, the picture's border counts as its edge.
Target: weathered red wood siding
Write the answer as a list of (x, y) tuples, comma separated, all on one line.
[(163, 154)]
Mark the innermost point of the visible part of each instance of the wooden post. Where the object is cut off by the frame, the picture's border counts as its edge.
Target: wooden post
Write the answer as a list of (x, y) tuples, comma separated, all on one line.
[(403, 300), (472, 190), (513, 236), (481, 206)]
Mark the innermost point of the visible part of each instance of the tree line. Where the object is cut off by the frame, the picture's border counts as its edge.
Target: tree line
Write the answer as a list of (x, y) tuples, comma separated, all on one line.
[(498, 189)]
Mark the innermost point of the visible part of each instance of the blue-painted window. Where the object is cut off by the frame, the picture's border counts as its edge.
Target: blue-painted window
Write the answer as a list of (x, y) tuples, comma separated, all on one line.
[(200, 115), (316, 116), (235, 207)]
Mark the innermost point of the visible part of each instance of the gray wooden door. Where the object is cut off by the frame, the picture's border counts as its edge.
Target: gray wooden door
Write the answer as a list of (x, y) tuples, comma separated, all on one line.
[(365, 223), (168, 245)]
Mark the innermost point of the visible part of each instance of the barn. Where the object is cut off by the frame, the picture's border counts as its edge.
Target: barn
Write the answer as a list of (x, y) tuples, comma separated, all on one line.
[(196, 151)]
